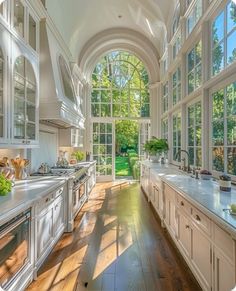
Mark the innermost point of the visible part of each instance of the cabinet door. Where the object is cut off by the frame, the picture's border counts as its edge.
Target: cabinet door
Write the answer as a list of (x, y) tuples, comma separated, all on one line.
[(184, 233), (45, 231), (172, 218), (224, 272), (58, 216), (201, 256)]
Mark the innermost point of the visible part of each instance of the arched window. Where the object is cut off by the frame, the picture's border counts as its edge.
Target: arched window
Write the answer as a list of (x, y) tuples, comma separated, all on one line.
[(120, 87), (24, 100), (66, 77)]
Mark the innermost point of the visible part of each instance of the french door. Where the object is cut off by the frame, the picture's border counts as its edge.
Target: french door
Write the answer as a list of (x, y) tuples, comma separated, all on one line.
[(102, 150)]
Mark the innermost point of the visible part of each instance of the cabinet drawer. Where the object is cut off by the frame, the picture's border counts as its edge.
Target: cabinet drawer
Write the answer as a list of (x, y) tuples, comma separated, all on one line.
[(223, 241), (44, 203), (183, 204), (201, 220), (58, 192)]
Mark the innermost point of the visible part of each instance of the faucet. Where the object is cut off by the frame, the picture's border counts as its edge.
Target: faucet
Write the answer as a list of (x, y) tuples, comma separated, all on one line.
[(188, 169)]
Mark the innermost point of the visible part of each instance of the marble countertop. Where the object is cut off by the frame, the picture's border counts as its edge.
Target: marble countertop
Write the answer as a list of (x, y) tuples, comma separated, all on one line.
[(25, 193), (203, 194)]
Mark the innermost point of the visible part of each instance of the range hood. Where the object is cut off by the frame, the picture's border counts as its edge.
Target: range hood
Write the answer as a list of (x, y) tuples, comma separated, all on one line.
[(55, 108)]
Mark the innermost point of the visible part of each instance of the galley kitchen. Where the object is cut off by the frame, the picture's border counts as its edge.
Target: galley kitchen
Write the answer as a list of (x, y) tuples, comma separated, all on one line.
[(117, 145)]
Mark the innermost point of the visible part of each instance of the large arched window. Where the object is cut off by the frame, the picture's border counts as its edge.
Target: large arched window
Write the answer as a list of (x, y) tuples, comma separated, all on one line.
[(120, 87)]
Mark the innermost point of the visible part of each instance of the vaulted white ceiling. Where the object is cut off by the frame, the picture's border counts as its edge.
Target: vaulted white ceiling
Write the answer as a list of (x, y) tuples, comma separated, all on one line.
[(80, 20)]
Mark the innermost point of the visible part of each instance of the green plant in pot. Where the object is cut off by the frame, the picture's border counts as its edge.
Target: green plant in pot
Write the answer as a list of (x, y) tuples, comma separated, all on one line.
[(78, 155), (156, 147)]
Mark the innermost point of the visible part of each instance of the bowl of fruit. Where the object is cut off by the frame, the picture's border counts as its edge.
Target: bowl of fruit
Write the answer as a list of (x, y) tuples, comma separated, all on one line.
[(205, 175), (5, 185)]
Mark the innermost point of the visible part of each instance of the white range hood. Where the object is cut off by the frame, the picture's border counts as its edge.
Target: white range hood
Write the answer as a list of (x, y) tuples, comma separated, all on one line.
[(55, 107)]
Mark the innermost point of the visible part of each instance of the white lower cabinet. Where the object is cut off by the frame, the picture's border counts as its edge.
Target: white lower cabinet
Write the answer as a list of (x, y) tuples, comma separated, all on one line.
[(201, 256), (224, 272), (50, 223), (45, 231), (184, 233), (208, 249)]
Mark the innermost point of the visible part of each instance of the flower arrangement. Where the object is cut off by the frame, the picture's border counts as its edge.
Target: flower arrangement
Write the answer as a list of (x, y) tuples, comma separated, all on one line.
[(78, 155), (156, 146)]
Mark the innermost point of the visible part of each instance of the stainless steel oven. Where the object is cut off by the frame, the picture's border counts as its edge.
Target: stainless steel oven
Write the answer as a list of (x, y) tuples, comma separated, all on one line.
[(14, 247), (79, 193)]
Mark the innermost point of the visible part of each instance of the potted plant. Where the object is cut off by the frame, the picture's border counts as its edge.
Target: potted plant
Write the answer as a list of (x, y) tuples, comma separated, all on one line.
[(78, 155), (155, 147)]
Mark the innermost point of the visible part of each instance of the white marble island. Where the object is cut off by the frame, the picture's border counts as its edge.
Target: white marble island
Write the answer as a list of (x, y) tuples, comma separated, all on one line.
[(193, 213)]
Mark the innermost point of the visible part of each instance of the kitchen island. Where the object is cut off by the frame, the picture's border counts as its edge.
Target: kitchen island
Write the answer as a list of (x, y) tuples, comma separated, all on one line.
[(193, 212)]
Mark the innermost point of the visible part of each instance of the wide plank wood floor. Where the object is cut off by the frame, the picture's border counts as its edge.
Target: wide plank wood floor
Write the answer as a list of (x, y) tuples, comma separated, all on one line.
[(118, 244)]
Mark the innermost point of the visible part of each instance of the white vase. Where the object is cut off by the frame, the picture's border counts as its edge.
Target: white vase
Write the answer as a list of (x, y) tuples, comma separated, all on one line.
[(155, 158)]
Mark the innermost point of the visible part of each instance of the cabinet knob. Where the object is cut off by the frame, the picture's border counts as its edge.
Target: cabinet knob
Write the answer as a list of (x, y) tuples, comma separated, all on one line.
[(47, 200), (187, 226), (182, 203), (23, 141), (197, 217)]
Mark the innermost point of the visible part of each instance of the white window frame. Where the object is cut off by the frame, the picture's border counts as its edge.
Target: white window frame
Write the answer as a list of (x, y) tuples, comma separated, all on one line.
[(223, 41), (192, 11), (190, 104), (175, 131), (218, 87), (194, 69), (178, 83)]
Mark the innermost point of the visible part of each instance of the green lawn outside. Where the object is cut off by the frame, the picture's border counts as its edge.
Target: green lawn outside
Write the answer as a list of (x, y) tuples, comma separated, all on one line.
[(122, 166)]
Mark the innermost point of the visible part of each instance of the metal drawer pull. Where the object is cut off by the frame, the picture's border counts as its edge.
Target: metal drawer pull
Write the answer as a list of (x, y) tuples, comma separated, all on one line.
[(47, 200), (197, 217), (187, 226), (182, 203)]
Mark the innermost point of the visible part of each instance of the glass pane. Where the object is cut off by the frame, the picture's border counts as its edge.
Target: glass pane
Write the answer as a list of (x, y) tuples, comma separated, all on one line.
[(95, 110), (105, 96), (231, 99), (198, 135), (198, 53), (198, 76), (191, 116), (32, 32), (19, 108), (218, 105), (190, 136), (31, 112), (190, 82), (190, 22), (218, 29), (20, 66), (218, 133), (19, 129), (218, 59), (198, 157), (105, 110), (19, 17), (231, 16), (95, 138), (218, 159), (31, 130), (231, 131), (198, 113), (116, 110), (191, 60), (231, 48), (231, 158), (174, 96), (191, 155), (96, 96), (31, 93)]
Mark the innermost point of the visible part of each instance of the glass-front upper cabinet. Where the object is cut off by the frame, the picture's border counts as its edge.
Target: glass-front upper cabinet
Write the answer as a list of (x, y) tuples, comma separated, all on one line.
[(25, 98), (1, 94), (19, 17)]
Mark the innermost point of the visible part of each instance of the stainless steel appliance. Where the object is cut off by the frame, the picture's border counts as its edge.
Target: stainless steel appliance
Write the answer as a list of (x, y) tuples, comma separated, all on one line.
[(14, 247)]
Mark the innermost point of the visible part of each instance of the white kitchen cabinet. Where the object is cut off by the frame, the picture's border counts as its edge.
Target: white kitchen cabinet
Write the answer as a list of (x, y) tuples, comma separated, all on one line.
[(44, 231), (58, 216), (71, 137), (170, 216), (201, 256), (184, 233), (50, 223), (145, 180), (224, 272)]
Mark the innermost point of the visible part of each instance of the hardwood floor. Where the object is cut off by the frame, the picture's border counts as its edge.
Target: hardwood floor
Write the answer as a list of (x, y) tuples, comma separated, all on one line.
[(117, 244)]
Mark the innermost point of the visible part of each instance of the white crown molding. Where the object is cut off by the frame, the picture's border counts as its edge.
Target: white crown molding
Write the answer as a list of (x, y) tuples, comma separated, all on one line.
[(123, 39)]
